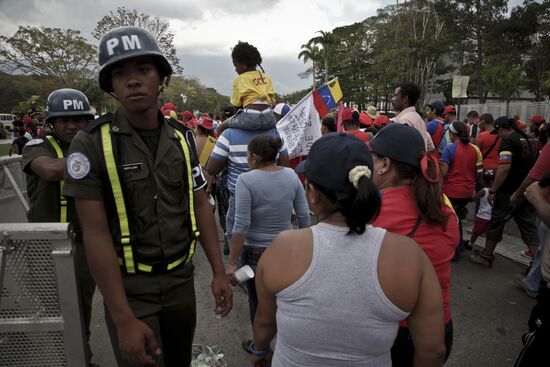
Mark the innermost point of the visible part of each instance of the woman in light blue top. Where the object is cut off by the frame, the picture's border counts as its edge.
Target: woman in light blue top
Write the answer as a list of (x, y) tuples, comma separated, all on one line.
[(264, 200)]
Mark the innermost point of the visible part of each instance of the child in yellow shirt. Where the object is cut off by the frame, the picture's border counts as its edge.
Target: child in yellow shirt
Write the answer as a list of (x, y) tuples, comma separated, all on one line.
[(252, 90)]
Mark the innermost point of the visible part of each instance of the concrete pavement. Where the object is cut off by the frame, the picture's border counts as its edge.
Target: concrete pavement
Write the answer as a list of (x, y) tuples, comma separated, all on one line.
[(489, 312), (489, 315)]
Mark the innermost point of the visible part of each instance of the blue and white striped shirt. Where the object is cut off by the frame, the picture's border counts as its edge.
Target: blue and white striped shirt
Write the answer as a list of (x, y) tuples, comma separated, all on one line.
[(232, 145)]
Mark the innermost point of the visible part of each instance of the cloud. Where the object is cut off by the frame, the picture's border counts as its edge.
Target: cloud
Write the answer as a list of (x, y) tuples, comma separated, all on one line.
[(206, 30)]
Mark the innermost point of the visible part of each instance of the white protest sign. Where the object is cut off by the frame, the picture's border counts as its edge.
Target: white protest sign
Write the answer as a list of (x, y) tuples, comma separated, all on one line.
[(300, 127)]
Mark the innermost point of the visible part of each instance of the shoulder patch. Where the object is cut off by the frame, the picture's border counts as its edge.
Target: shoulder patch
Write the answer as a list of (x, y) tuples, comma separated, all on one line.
[(34, 142), (97, 123), (78, 165)]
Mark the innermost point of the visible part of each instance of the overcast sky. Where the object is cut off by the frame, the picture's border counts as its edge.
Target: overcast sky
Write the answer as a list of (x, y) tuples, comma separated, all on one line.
[(205, 30)]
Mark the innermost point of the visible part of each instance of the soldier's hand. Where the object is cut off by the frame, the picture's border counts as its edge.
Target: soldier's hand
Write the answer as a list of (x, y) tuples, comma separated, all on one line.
[(137, 343), (223, 295)]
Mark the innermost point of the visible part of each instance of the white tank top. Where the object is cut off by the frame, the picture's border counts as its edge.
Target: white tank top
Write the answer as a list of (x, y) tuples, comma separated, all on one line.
[(336, 314)]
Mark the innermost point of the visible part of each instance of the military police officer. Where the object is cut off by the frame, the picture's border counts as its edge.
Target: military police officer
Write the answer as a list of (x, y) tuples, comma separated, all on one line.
[(139, 191), (68, 112)]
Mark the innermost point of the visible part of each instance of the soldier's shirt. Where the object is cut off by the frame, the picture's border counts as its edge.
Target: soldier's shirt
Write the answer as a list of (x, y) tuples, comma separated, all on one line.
[(156, 188), (44, 196)]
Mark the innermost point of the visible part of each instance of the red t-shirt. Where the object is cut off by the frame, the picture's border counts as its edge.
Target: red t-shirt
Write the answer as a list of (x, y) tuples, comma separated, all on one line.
[(485, 140), (359, 134), (464, 160), (542, 166), (398, 214)]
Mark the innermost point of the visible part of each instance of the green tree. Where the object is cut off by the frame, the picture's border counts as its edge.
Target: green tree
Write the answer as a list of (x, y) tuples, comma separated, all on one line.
[(476, 22), (60, 54), (325, 40), (310, 52), (159, 28), (503, 81)]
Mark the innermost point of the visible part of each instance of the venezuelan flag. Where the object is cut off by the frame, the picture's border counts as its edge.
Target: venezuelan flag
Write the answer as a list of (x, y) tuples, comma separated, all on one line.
[(326, 97)]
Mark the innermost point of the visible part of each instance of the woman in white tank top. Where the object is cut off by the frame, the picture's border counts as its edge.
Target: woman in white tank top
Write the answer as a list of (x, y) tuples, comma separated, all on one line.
[(331, 292)]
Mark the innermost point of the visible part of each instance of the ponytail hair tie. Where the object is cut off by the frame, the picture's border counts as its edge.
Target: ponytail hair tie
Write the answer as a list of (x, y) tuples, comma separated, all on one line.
[(424, 168), (356, 173)]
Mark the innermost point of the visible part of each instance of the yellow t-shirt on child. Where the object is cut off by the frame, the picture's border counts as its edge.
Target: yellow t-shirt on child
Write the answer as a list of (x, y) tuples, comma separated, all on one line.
[(250, 87)]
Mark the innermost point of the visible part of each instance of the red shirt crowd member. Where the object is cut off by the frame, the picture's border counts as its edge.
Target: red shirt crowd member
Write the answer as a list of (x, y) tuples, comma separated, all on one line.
[(350, 120), (488, 143), (460, 163), (413, 205)]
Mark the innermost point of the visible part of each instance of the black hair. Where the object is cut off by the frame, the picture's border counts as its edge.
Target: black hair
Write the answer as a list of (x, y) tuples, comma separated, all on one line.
[(359, 210), (412, 91), (266, 147), (472, 114), (428, 197), (488, 118), (462, 131), (228, 111), (247, 55), (205, 131), (487, 177), (353, 122), (330, 123)]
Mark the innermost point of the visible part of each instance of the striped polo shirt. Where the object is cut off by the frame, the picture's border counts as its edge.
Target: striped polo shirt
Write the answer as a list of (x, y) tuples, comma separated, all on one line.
[(232, 146)]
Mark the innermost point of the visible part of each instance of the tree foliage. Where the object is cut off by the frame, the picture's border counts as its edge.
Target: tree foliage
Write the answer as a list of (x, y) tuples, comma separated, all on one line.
[(311, 53), (60, 54), (429, 41), (159, 28), (190, 94)]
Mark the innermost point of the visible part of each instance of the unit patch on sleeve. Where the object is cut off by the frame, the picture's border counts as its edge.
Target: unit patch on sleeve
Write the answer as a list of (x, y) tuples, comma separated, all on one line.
[(78, 165)]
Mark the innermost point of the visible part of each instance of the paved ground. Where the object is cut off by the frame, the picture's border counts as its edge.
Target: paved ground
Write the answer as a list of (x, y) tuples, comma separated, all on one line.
[(489, 311), (489, 315)]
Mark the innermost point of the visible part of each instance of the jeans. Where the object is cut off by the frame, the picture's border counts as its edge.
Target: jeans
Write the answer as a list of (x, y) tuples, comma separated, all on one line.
[(256, 120), (535, 276), (251, 257)]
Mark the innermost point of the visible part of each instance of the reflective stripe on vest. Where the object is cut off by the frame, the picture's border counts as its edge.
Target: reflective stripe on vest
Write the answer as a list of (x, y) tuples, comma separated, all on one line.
[(62, 199), (128, 257)]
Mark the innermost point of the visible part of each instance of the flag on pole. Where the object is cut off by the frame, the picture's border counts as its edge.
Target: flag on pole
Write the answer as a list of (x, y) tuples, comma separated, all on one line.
[(300, 127), (326, 97)]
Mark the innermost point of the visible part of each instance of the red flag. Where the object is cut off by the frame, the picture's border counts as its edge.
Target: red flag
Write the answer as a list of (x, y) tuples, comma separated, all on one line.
[(339, 126)]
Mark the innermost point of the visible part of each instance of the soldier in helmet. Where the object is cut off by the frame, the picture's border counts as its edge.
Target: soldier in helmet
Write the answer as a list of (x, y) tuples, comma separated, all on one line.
[(68, 112), (140, 195)]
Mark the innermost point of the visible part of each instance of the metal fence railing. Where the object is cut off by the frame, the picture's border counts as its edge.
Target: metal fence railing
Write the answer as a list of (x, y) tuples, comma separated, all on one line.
[(523, 109), (13, 190), (40, 320)]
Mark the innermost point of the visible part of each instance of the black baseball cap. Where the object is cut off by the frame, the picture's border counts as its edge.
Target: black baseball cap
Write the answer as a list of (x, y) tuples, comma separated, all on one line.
[(504, 122), (331, 158), (400, 143)]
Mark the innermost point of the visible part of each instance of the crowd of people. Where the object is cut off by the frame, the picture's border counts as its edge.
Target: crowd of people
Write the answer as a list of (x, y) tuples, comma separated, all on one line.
[(140, 187)]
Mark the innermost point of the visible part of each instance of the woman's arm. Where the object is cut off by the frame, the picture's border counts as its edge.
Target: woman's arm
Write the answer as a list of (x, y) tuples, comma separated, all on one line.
[(265, 325), (300, 205), (426, 321), (243, 215)]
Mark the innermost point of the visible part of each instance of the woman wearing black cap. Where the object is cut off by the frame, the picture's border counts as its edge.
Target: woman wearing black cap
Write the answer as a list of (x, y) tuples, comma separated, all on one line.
[(330, 291), (413, 205)]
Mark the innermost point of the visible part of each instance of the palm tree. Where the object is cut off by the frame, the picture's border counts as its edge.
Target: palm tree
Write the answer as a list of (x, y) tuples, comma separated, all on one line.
[(326, 39), (310, 52)]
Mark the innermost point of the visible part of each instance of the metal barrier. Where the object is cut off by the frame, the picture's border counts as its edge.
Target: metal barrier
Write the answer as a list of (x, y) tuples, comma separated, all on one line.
[(523, 109), (40, 319), (13, 190)]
